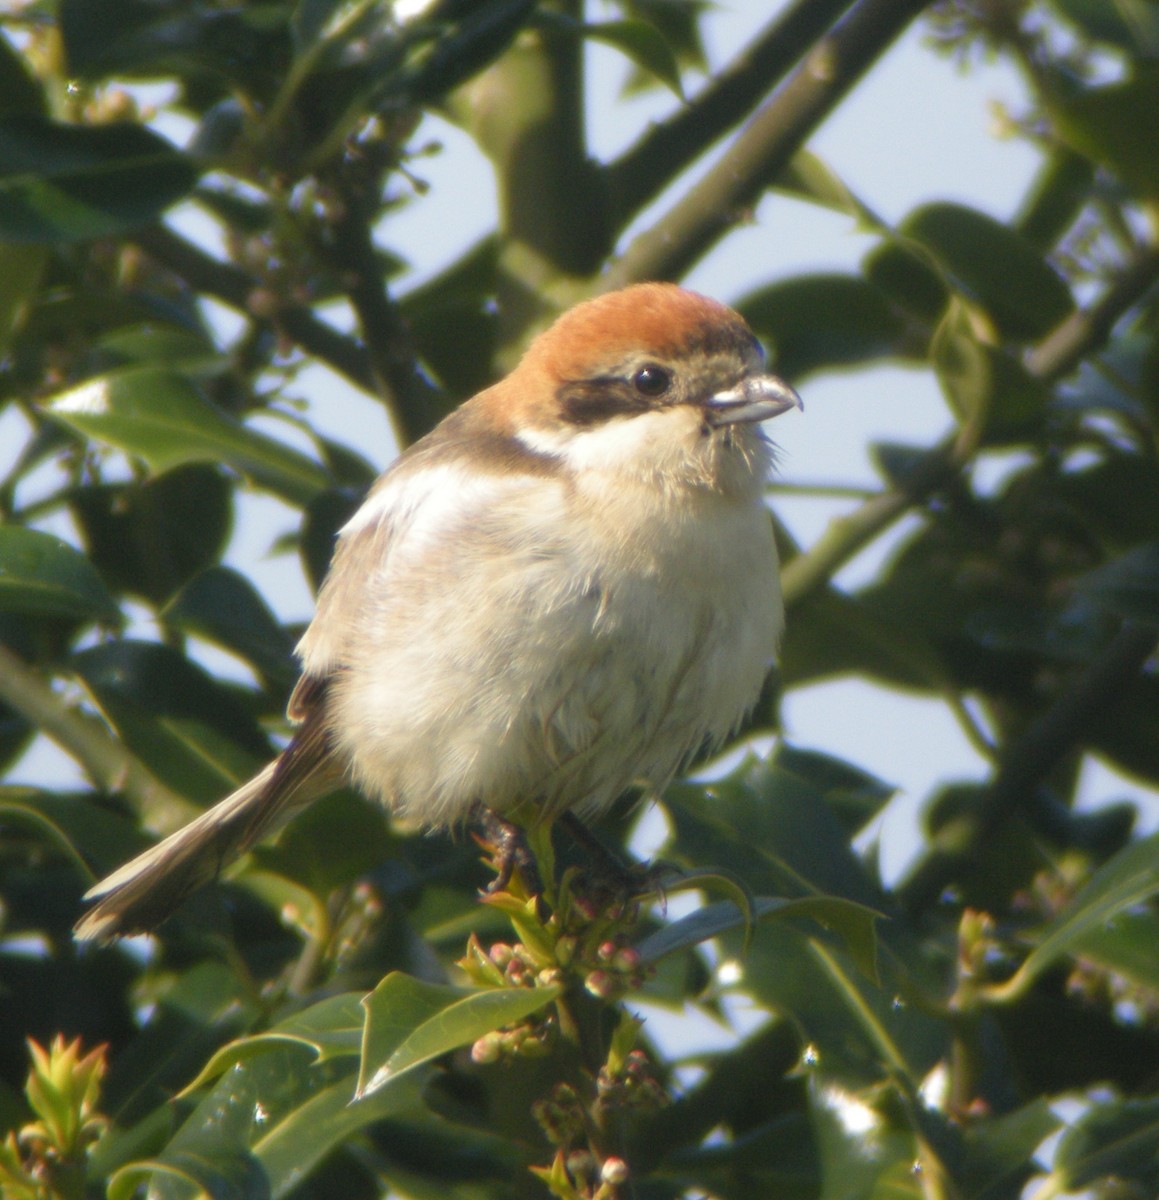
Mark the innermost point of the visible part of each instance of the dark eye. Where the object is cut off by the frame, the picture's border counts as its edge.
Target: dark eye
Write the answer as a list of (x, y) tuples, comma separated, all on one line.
[(652, 381)]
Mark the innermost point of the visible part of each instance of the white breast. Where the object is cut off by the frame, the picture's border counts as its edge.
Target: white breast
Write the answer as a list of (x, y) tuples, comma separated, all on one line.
[(523, 649)]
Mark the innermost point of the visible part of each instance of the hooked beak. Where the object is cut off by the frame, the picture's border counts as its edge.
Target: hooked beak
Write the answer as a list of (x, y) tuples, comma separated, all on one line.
[(756, 398)]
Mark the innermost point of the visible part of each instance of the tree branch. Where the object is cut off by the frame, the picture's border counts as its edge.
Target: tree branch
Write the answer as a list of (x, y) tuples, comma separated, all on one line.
[(644, 170), (1072, 339), (106, 762), (234, 287), (766, 145)]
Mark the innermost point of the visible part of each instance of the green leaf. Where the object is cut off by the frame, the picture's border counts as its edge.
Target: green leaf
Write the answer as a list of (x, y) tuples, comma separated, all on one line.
[(224, 608), (1000, 1150), (992, 266), (330, 1029), (644, 44), (186, 728), (148, 537), (854, 923), (1127, 879), (1128, 586), (1131, 25), (42, 824), (20, 90), (161, 417), (1116, 1140), (855, 796), (984, 385), (143, 39), (835, 634), (268, 1122), (22, 269), (867, 1152), (908, 276), (1125, 946), (64, 183), (188, 349), (813, 179), (1061, 188), (819, 322), (409, 1022), (1118, 126), (42, 576)]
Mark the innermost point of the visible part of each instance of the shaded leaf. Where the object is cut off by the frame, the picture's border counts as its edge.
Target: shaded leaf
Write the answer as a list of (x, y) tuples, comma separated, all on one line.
[(225, 608), (62, 182), (1115, 1140), (143, 39), (993, 266), (1118, 126), (22, 269), (1128, 586), (907, 276), (267, 1123), (148, 537), (854, 795), (1125, 946), (854, 923), (43, 576), (818, 322), (984, 385), (644, 44), (187, 729), (1131, 26)]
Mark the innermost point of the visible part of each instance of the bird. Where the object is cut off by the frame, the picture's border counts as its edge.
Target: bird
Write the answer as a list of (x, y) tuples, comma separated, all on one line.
[(568, 587)]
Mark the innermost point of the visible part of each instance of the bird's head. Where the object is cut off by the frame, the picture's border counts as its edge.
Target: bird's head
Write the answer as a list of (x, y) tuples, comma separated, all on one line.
[(653, 382)]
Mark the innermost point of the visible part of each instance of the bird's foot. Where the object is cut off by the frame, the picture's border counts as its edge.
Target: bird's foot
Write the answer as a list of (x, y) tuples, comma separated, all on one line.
[(510, 852)]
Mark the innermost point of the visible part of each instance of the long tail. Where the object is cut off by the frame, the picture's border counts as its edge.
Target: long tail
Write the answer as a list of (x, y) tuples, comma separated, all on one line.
[(140, 895)]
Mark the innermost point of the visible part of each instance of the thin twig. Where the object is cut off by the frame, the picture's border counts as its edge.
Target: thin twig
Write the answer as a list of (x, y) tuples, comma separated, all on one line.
[(233, 286)]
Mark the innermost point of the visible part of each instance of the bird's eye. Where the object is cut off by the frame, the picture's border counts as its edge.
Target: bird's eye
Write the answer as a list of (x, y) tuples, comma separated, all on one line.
[(652, 381)]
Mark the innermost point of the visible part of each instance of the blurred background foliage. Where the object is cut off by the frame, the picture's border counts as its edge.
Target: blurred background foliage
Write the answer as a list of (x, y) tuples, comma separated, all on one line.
[(1004, 1006)]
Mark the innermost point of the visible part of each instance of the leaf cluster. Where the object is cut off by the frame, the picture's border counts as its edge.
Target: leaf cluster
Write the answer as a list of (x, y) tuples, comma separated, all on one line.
[(311, 1027)]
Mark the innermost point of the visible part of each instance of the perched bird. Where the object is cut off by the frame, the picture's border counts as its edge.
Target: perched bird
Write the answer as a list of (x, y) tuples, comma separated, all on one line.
[(569, 586)]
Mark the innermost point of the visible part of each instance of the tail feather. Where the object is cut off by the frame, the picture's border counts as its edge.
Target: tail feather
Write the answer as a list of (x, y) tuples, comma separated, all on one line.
[(140, 895)]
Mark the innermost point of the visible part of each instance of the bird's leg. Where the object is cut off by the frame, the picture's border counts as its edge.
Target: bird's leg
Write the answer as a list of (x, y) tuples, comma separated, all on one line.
[(510, 851), (609, 873)]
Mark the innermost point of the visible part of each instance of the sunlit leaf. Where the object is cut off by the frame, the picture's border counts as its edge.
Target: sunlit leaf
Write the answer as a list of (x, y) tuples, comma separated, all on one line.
[(409, 1022), (160, 416), (1129, 878)]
